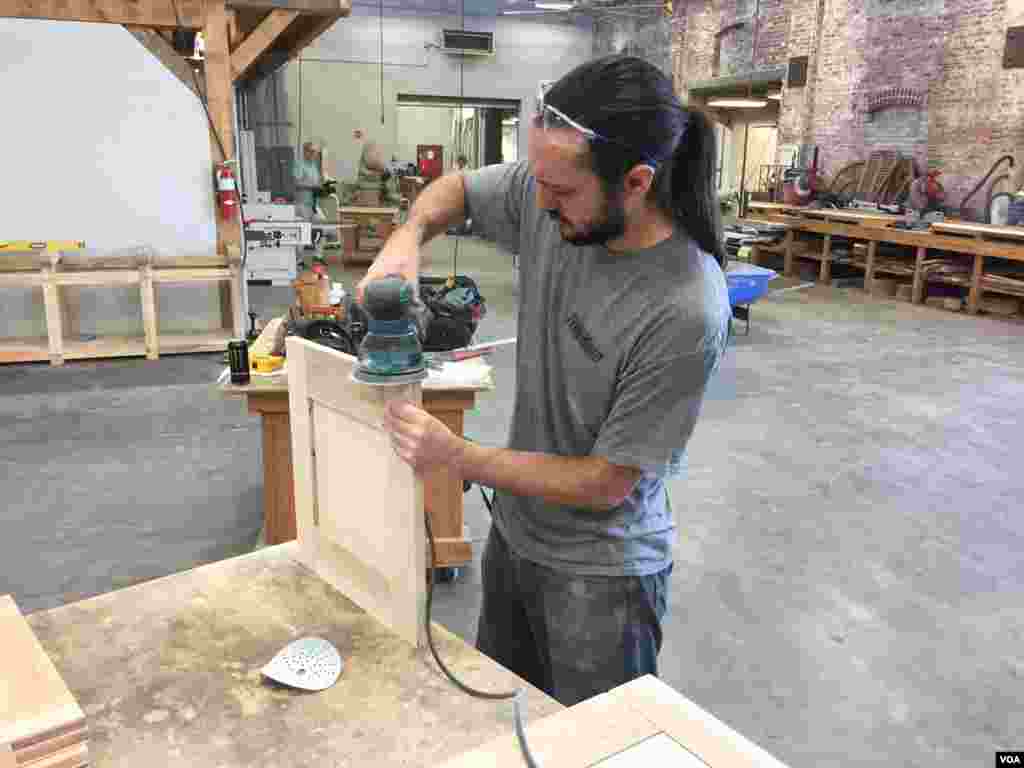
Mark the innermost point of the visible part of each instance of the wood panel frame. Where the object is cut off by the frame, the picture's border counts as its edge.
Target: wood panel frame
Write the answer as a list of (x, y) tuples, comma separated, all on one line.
[(359, 507)]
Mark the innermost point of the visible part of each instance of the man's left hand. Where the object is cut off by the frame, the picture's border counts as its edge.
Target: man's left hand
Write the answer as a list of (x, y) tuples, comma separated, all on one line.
[(421, 440)]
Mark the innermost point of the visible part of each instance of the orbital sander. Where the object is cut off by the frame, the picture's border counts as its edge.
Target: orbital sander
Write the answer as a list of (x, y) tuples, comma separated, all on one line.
[(391, 352)]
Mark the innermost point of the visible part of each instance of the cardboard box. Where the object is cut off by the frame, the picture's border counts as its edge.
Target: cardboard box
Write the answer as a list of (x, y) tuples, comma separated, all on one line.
[(642, 723)]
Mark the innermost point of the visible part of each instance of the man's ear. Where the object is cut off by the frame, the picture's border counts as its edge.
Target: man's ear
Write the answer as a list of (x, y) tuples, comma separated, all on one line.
[(639, 180)]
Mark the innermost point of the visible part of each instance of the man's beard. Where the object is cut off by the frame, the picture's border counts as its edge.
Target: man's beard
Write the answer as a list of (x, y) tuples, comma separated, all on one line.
[(611, 224)]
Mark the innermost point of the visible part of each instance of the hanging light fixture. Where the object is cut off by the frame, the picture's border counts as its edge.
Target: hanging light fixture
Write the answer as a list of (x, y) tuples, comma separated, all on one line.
[(737, 102)]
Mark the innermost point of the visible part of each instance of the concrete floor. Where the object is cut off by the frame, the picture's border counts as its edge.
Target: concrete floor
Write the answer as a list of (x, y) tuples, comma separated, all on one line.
[(848, 584)]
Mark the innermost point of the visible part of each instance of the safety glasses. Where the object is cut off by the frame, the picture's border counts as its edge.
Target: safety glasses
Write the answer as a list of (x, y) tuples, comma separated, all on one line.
[(549, 118)]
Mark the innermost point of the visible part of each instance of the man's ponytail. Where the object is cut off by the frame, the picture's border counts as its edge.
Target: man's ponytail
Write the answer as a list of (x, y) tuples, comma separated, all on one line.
[(686, 186)]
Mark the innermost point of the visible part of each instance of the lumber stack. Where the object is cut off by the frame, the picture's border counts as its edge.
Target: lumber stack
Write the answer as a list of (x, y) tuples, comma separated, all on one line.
[(41, 724)]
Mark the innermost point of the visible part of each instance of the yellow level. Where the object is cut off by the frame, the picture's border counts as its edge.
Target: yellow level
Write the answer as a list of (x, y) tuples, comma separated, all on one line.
[(41, 245)]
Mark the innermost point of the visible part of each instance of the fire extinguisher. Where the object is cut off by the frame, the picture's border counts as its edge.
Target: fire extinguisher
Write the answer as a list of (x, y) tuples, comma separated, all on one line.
[(227, 190)]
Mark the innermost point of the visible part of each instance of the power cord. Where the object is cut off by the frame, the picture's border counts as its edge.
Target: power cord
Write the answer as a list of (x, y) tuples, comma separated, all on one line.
[(515, 696)]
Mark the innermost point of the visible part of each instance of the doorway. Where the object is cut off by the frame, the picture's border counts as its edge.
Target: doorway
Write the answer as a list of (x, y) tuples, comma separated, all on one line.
[(745, 150), (485, 132)]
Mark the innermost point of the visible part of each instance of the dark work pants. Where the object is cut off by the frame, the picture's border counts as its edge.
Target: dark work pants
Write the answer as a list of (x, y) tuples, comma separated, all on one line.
[(571, 636)]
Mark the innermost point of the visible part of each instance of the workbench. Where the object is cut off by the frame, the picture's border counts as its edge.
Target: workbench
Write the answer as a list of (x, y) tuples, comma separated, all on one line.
[(167, 673), (381, 220), (56, 278), (442, 487), (978, 241)]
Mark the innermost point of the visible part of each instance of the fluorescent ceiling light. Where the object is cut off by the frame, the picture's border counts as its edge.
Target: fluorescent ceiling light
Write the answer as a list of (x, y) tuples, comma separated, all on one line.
[(775, 95), (738, 103), (553, 6)]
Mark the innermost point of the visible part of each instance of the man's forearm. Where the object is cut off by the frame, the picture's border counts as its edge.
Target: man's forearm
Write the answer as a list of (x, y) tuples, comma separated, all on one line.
[(573, 481)]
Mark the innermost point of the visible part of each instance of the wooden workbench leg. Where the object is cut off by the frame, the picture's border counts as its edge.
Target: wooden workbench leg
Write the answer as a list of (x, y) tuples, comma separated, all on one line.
[(54, 323), (442, 497), (869, 269), (149, 321), (974, 297), (825, 274), (918, 289), (787, 264), (278, 484)]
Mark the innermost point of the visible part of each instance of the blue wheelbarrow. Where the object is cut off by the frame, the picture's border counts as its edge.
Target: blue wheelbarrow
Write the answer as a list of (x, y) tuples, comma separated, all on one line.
[(747, 283)]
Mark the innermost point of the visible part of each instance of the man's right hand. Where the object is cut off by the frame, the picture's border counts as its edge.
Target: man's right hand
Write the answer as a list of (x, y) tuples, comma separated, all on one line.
[(400, 255), (438, 207)]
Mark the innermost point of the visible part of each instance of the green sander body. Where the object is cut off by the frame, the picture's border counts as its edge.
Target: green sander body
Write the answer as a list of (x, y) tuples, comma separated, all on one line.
[(391, 352)]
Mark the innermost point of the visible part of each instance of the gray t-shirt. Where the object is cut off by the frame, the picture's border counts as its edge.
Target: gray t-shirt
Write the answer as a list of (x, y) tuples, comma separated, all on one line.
[(613, 356)]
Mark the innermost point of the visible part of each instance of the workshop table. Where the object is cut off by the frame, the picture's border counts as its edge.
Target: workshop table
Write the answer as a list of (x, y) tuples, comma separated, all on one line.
[(442, 487), (976, 240), (168, 673), (380, 219)]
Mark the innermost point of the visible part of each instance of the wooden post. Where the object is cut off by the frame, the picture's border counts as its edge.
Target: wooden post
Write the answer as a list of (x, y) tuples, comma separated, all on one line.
[(825, 274), (974, 297), (918, 296), (787, 264), (869, 271), (54, 326), (149, 321), (220, 98)]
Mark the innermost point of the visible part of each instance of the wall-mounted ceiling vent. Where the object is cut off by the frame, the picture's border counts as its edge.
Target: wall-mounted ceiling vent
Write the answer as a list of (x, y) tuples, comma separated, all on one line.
[(460, 42)]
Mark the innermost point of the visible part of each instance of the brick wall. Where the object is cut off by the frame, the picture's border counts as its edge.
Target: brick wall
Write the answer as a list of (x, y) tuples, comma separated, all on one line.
[(772, 27), (696, 41), (796, 110), (972, 107), (950, 50), (837, 123), (646, 35)]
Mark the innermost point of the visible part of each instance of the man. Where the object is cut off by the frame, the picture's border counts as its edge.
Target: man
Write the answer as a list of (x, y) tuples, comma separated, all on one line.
[(623, 316), (308, 179)]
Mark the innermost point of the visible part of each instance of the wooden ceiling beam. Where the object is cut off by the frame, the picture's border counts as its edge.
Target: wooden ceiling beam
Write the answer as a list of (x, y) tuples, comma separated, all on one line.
[(142, 13), (260, 40), (314, 31), (326, 7), (155, 43)]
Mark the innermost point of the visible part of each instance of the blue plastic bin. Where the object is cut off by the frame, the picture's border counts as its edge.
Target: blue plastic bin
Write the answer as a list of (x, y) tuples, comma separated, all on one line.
[(747, 282)]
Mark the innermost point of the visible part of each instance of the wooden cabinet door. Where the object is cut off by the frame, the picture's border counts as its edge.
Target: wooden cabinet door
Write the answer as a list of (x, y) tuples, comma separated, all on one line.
[(358, 506)]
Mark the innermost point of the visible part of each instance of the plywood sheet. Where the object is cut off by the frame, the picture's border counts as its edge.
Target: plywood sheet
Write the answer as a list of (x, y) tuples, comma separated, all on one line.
[(358, 506), (657, 750), (577, 737), (642, 717), (981, 230), (709, 738), (47, 747), (70, 757), (33, 697)]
